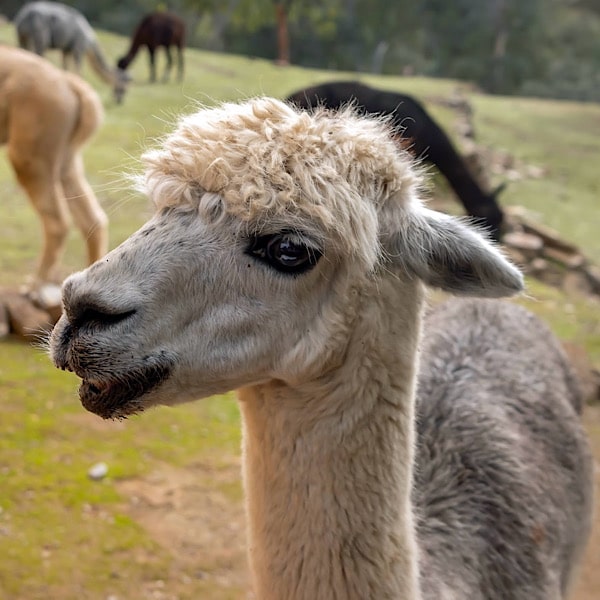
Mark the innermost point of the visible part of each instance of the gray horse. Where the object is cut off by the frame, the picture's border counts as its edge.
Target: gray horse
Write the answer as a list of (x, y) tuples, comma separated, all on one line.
[(52, 25)]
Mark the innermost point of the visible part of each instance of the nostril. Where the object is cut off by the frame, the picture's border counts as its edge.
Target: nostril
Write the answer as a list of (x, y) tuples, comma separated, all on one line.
[(99, 317)]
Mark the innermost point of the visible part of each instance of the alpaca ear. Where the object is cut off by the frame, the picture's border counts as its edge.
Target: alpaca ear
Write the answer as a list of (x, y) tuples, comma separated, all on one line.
[(445, 253)]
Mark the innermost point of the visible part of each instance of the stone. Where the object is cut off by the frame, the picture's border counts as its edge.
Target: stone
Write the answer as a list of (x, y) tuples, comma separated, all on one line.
[(26, 320), (570, 260), (548, 236), (592, 272), (518, 258), (588, 377), (4, 320), (575, 282), (595, 396), (48, 297), (530, 245), (98, 471), (538, 265), (551, 276)]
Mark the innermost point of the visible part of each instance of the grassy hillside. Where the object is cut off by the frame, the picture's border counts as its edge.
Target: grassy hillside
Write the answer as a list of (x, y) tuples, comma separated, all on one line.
[(62, 535)]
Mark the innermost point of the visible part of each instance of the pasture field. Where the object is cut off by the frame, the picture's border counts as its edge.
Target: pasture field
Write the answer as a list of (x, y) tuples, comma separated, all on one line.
[(167, 521)]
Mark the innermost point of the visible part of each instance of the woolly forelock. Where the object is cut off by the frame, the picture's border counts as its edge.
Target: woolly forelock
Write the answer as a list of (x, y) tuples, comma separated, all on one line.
[(327, 174)]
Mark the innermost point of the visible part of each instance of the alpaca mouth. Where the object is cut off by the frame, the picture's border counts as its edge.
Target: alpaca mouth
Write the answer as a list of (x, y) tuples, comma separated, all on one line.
[(121, 396)]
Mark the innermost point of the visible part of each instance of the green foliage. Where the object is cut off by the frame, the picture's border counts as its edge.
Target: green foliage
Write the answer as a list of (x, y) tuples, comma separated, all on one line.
[(572, 56), (592, 6), (545, 48)]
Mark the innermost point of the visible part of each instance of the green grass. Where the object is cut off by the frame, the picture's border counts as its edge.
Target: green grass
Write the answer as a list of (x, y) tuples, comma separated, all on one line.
[(63, 535), (52, 514)]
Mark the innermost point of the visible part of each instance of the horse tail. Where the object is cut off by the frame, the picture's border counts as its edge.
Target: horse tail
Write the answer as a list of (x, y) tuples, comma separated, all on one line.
[(91, 112)]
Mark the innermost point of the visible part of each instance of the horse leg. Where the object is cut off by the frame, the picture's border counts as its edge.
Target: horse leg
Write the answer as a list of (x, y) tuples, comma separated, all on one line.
[(38, 177), (179, 63), (84, 207), (152, 64), (38, 43), (77, 56), (169, 64), (26, 42)]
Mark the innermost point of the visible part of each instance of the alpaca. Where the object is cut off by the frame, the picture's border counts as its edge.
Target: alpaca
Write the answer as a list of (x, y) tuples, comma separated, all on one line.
[(46, 117), (52, 25), (426, 138), (291, 250), (156, 30)]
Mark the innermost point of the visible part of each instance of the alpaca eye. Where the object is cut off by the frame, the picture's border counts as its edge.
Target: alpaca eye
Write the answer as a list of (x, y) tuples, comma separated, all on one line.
[(284, 252)]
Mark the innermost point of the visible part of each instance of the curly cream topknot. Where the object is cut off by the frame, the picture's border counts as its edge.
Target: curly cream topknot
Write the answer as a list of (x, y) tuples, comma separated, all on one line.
[(327, 170)]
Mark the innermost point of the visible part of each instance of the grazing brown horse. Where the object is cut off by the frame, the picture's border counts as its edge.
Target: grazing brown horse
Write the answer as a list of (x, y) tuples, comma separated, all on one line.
[(426, 138), (155, 30)]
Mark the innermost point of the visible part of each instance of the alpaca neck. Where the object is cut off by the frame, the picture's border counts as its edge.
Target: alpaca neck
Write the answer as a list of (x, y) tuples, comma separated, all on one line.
[(131, 54), (328, 468), (99, 65), (453, 167)]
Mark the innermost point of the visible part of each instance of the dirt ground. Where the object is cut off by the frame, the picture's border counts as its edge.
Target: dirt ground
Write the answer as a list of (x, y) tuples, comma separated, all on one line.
[(186, 511), (190, 512)]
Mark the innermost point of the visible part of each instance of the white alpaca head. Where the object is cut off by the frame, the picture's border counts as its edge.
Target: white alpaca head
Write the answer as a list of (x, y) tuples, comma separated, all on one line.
[(271, 225)]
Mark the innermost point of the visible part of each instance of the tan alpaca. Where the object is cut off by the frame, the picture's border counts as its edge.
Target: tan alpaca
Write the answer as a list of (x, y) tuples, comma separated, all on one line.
[(287, 259), (46, 117)]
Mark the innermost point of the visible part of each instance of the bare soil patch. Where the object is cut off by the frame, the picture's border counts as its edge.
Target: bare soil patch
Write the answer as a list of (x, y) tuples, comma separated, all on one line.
[(197, 515)]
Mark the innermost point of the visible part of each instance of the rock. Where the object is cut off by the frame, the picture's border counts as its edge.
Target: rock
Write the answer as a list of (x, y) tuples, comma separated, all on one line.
[(592, 272), (528, 244), (98, 471), (568, 259), (551, 275), (4, 321), (519, 258), (594, 398), (548, 236), (535, 172), (575, 282), (589, 378), (538, 265), (26, 320), (48, 297)]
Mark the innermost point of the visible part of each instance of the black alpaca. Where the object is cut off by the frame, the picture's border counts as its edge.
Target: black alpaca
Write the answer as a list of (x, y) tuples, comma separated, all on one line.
[(426, 138), (156, 30)]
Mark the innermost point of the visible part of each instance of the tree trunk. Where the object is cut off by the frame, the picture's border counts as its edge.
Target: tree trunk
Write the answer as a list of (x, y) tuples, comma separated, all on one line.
[(498, 62), (283, 38)]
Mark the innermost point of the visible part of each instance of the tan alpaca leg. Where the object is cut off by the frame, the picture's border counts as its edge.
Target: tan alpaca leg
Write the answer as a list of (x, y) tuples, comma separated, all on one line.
[(85, 209), (47, 198), (77, 60)]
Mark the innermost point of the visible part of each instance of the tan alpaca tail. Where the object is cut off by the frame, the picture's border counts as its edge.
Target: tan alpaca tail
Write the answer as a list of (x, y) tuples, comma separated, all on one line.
[(91, 111)]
